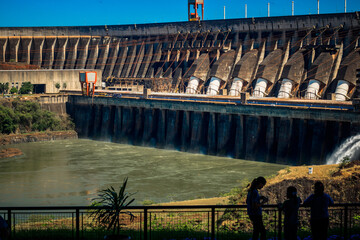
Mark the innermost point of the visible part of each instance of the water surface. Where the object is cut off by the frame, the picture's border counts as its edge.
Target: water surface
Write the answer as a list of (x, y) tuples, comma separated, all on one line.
[(70, 172)]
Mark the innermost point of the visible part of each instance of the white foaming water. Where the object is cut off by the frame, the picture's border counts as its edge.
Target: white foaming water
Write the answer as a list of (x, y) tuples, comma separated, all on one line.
[(350, 148)]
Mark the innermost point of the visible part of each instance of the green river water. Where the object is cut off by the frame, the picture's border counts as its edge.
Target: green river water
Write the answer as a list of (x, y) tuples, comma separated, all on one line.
[(70, 172)]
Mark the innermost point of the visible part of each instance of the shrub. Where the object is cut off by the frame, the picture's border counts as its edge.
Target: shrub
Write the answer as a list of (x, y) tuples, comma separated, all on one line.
[(26, 88), (13, 90), (8, 120)]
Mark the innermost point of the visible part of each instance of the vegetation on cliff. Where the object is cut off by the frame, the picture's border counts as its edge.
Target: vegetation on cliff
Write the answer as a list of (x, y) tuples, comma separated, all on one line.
[(342, 182), (26, 116)]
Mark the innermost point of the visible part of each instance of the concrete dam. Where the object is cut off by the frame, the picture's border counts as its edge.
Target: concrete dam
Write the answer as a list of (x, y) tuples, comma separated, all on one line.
[(307, 62)]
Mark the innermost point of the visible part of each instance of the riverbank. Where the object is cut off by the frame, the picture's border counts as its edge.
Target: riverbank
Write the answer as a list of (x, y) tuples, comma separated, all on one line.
[(37, 137), (342, 182)]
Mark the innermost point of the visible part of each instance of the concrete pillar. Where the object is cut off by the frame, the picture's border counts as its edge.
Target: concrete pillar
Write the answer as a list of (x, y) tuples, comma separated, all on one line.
[(129, 61), (103, 53), (172, 129), (71, 52), (225, 127), (240, 143), (83, 50), (60, 52), (98, 118), (113, 53), (93, 53), (284, 137), (3, 45), (149, 126), (107, 119), (155, 59), (120, 60), (14, 48), (196, 131), (49, 52), (251, 133), (139, 125), (25, 46), (117, 125), (37, 55), (212, 134), (146, 62), (161, 128), (138, 60), (270, 141), (185, 131), (127, 124)]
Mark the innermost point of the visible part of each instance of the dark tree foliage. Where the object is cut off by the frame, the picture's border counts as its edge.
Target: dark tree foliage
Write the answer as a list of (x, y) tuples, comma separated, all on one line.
[(4, 87), (26, 88)]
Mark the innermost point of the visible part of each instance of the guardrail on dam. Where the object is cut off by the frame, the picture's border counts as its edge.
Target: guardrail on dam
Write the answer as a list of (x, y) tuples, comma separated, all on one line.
[(290, 135), (293, 56)]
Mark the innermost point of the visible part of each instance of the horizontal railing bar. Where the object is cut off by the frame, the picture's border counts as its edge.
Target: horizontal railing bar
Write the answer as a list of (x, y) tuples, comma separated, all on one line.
[(43, 208)]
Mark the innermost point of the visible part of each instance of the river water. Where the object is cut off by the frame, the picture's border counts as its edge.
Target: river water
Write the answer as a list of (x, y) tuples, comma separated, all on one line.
[(70, 172)]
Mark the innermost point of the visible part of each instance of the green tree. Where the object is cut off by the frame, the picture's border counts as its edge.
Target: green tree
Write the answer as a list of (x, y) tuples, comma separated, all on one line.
[(8, 120), (57, 85), (64, 85), (26, 88), (13, 90), (4, 88), (112, 204)]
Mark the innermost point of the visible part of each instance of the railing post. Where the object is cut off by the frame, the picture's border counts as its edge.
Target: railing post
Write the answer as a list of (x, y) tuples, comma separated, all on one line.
[(10, 223), (77, 224), (212, 223), (346, 222), (145, 224), (279, 224)]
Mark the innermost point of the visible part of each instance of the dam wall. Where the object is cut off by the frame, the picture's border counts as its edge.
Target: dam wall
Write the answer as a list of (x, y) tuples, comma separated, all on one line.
[(317, 50), (285, 135)]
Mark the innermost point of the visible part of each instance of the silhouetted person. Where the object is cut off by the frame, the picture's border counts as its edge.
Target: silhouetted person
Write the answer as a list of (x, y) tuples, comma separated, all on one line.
[(319, 203), (291, 209), (4, 229), (254, 210)]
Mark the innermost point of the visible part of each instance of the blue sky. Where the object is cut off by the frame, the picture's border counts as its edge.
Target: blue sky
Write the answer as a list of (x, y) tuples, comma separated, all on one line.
[(16, 13)]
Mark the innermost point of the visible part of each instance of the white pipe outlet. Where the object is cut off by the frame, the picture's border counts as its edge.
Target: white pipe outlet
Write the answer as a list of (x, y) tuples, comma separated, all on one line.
[(342, 90), (260, 88), (213, 88), (285, 88), (192, 85), (312, 89), (236, 87)]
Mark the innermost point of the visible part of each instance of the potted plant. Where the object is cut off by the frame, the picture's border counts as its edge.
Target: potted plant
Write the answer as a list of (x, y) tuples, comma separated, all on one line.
[(111, 205)]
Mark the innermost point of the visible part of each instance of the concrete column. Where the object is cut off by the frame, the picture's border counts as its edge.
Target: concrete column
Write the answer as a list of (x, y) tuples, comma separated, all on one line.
[(224, 134), (251, 133), (113, 53), (104, 133), (283, 140), (196, 131), (49, 52), (139, 125), (60, 52), (103, 53), (71, 52), (93, 52), (138, 61), (97, 121), (25, 46), (146, 62), (172, 129), (270, 142), (186, 131), (14, 48), (37, 55), (161, 128), (240, 143), (155, 59), (3, 45), (212, 134), (83, 50), (119, 65), (127, 124), (117, 124), (129, 61), (149, 126)]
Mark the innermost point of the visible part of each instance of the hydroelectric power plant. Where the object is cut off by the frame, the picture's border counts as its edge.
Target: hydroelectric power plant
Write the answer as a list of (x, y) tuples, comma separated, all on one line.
[(275, 89)]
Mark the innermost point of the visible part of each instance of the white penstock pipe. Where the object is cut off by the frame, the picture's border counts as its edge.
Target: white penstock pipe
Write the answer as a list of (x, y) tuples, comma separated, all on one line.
[(236, 87), (342, 90), (213, 88), (192, 85), (285, 89), (260, 88), (312, 89)]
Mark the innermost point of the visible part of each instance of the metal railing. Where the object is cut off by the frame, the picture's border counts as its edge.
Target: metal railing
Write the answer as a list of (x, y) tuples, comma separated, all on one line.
[(170, 222)]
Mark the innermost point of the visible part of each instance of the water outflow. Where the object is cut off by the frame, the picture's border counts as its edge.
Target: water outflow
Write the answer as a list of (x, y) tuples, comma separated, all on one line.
[(350, 148)]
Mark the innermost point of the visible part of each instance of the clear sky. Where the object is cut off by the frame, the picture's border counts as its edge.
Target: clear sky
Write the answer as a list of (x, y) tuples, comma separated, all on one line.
[(16, 13)]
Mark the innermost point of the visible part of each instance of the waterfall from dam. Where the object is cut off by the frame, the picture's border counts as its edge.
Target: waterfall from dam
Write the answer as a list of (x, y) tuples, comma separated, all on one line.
[(350, 148)]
